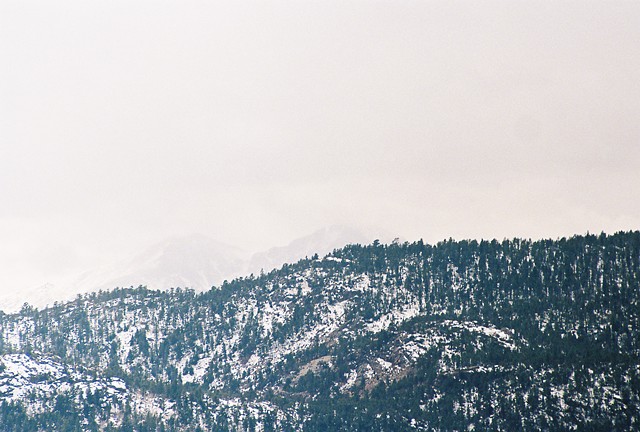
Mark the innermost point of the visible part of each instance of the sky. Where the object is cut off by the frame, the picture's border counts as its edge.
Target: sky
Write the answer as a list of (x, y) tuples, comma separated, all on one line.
[(255, 122)]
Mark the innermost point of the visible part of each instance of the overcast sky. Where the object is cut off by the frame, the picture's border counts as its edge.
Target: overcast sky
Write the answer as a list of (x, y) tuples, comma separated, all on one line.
[(255, 122)]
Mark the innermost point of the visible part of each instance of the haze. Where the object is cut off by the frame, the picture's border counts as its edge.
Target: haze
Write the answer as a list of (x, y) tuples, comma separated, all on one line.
[(256, 122)]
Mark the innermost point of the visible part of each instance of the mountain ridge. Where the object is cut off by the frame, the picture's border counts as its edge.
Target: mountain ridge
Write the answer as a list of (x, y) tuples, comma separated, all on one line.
[(459, 335), (190, 261)]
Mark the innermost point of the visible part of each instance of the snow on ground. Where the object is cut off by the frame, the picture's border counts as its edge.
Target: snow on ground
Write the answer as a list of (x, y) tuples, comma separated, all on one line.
[(352, 377), (384, 364), (504, 337), (22, 375), (336, 259), (397, 316), (11, 334), (271, 314), (330, 323), (363, 284), (199, 369), (156, 406)]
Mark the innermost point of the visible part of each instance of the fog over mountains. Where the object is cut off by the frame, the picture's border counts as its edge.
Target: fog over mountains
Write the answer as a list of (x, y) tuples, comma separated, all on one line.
[(192, 261)]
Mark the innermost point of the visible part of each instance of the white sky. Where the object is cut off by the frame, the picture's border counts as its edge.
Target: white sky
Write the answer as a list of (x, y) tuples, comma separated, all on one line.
[(255, 122)]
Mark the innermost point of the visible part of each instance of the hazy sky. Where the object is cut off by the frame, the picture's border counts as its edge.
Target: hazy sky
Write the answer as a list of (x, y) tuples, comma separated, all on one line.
[(254, 122)]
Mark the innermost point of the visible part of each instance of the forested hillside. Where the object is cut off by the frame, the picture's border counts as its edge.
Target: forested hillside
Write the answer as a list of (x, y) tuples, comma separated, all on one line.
[(462, 335)]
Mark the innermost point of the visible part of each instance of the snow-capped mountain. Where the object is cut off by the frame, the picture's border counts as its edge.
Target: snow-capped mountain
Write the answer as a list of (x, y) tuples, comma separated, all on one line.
[(320, 242), (193, 261), (13, 300), (199, 262)]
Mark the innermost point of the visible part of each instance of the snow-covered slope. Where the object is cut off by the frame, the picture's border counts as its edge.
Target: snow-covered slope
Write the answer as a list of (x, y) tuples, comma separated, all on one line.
[(512, 335)]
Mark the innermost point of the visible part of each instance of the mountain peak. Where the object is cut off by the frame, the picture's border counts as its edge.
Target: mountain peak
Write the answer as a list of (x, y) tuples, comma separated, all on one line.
[(193, 261)]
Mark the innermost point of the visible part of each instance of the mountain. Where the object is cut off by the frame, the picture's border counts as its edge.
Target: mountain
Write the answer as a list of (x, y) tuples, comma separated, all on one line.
[(473, 335), (198, 262), (193, 261), (320, 243), (12, 301)]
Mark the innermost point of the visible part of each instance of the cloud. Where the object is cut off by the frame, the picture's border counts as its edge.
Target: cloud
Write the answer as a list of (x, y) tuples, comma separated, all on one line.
[(257, 122)]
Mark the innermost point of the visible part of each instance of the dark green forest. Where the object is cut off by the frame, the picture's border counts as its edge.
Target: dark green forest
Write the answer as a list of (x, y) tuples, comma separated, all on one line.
[(460, 335)]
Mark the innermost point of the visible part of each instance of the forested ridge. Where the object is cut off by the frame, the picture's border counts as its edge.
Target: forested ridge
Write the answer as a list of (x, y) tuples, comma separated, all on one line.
[(461, 335)]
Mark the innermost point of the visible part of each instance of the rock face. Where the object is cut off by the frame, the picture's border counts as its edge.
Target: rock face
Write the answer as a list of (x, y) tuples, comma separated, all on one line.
[(512, 335)]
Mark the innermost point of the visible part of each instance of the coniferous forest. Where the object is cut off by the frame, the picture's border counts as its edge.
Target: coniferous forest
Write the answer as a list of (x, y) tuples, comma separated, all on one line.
[(460, 335)]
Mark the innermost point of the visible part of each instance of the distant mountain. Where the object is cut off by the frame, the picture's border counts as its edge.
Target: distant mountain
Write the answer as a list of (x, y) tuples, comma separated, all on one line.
[(12, 301), (468, 335), (194, 261), (320, 242), (198, 262)]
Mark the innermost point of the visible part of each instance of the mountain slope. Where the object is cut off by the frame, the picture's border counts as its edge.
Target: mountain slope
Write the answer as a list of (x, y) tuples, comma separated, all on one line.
[(461, 335)]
